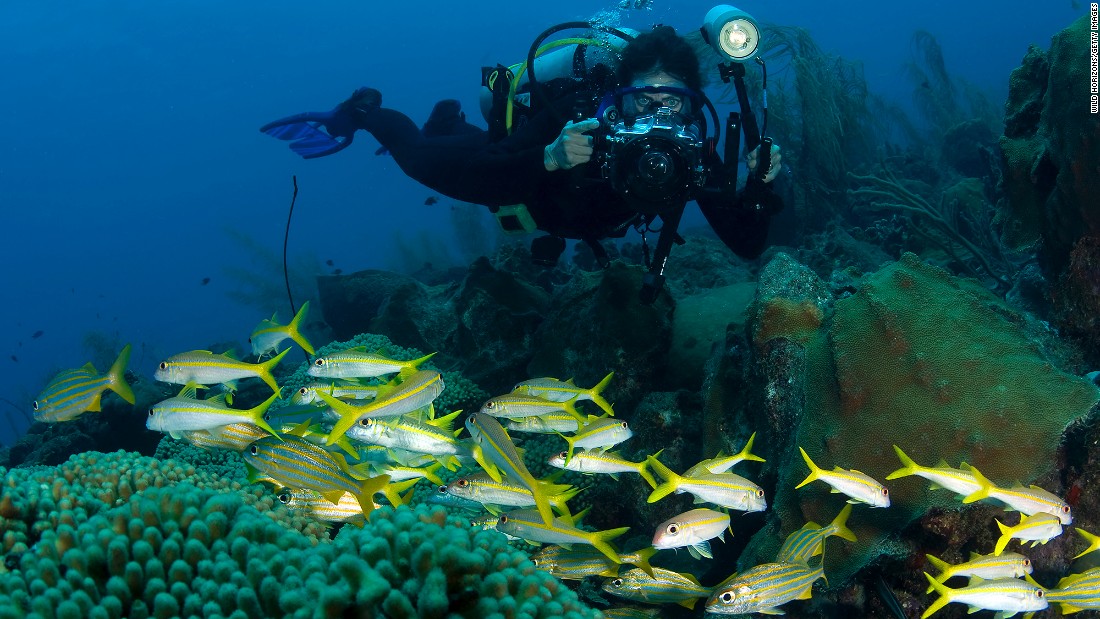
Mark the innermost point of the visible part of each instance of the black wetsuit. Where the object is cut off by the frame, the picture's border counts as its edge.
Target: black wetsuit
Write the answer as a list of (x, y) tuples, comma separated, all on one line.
[(472, 168)]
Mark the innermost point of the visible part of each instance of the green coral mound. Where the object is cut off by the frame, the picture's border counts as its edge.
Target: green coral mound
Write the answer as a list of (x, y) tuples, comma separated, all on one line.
[(167, 546), (938, 366)]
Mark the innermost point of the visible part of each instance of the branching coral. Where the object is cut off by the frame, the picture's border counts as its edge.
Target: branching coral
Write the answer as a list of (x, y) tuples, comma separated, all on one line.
[(948, 227)]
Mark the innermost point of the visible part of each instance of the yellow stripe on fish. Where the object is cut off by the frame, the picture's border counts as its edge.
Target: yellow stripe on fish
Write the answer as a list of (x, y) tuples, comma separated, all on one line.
[(528, 524), (663, 586), (763, 588), (1004, 594), (496, 453), (560, 391), (1030, 500), (1037, 528), (859, 487), (267, 336), (960, 481), (358, 363), (73, 392), (723, 489), (1093, 540), (986, 567), (1077, 592), (692, 530), (721, 463), (809, 541), (204, 368), (418, 390)]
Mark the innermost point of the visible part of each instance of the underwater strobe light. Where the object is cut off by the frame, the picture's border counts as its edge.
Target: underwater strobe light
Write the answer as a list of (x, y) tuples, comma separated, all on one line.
[(732, 32)]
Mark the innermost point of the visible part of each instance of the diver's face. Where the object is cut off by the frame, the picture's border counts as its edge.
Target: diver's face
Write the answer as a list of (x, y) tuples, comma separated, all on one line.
[(649, 101)]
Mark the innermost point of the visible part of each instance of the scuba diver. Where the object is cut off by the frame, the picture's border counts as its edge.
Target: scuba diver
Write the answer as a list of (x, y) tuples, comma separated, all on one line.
[(588, 138)]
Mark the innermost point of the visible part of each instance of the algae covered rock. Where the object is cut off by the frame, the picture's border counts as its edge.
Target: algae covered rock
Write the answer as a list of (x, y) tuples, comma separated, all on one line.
[(936, 365)]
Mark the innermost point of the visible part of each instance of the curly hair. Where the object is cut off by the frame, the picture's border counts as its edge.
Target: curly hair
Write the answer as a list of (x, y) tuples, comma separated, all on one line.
[(660, 50)]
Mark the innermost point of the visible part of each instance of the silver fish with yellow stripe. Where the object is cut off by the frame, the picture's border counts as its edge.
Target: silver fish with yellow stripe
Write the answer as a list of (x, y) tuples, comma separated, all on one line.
[(528, 524), (1037, 528), (580, 563), (692, 530), (296, 463), (809, 541), (507, 492), (185, 412), (204, 368), (73, 392), (267, 336), (721, 463), (406, 432), (418, 390), (496, 453), (339, 388), (859, 487), (605, 462), (724, 489), (560, 391), (600, 433), (986, 567), (1077, 592), (663, 587), (358, 363), (232, 437), (960, 481), (764, 588), (1009, 595), (550, 423), (519, 406), (1029, 501)]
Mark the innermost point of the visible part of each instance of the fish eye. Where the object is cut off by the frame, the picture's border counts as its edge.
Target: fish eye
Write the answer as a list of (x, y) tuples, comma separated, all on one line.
[(618, 582), (319, 362), (1038, 593), (1027, 562), (1065, 509), (164, 365), (885, 492), (249, 340), (303, 390), (726, 597), (364, 422), (535, 561), (462, 483), (563, 455), (623, 424), (442, 490), (151, 412), (490, 404), (34, 405), (760, 493), (503, 519), (284, 498), (673, 529), (253, 450)]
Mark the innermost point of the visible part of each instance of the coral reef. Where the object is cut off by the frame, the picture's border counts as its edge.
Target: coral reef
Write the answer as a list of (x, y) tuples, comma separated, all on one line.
[(912, 353), (119, 535)]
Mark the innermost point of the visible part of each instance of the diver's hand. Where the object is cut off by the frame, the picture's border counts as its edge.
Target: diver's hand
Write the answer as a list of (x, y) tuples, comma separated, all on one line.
[(776, 163), (572, 147), (342, 122)]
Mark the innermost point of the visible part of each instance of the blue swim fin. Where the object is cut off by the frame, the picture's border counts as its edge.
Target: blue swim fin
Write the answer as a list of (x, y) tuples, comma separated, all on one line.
[(306, 136)]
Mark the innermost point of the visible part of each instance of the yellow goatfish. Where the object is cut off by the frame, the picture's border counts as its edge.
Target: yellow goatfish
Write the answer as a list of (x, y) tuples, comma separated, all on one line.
[(960, 481), (722, 463), (1037, 528), (1010, 595), (1093, 540), (205, 368), (418, 390), (267, 336), (527, 524), (1030, 500), (358, 363), (494, 451), (560, 391), (185, 413), (987, 567), (73, 392), (860, 487)]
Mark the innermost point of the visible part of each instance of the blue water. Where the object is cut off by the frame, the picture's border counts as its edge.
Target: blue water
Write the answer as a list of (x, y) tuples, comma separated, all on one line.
[(130, 145)]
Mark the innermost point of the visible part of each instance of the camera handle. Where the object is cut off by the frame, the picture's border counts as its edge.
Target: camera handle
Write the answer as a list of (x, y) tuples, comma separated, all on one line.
[(653, 280)]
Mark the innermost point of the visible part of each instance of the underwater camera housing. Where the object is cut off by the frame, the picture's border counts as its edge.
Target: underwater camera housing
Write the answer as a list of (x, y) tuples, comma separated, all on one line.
[(654, 160)]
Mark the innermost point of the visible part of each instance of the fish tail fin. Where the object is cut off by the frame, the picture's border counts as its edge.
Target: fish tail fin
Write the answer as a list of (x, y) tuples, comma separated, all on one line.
[(840, 524), (367, 491), (644, 555), (908, 466), (596, 393), (985, 487), (543, 505), (943, 566), (746, 452), (257, 415), (1006, 537), (570, 406), (600, 541), (815, 471), (944, 599), (266, 367), (569, 453), (293, 329), (415, 363), (643, 470), (1093, 540), (672, 480), (348, 417), (116, 376)]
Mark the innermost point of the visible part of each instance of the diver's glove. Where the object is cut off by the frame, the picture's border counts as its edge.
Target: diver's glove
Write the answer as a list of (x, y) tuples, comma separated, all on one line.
[(572, 147), (773, 169)]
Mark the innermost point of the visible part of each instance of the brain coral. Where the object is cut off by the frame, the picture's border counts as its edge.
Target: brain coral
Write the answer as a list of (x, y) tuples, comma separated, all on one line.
[(119, 535), (938, 366)]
